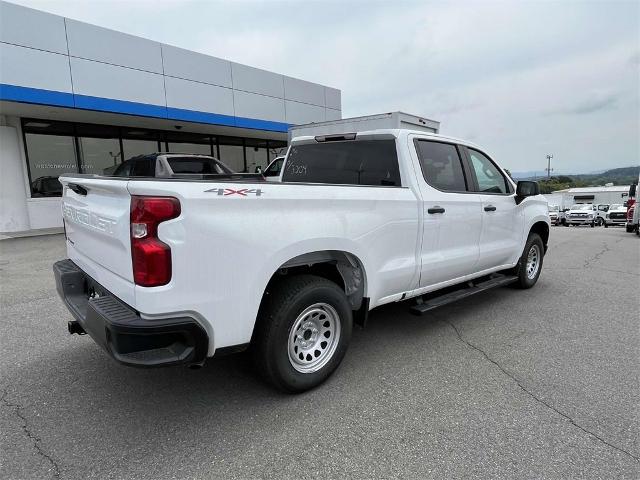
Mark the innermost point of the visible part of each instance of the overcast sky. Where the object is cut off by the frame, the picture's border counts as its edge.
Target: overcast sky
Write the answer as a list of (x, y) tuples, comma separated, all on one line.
[(522, 79)]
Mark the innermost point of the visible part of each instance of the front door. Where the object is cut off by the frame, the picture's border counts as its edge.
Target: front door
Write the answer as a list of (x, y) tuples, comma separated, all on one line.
[(502, 219)]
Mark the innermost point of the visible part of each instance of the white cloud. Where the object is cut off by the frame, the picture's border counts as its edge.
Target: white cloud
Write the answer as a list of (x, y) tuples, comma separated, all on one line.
[(521, 78)]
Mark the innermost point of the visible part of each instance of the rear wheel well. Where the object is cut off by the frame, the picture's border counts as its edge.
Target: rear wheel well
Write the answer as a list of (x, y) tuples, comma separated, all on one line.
[(342, 268), (542, 229)]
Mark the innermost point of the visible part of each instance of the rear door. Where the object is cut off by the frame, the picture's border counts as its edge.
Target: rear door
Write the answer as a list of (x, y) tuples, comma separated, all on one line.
[(502, 220), (451, 213)]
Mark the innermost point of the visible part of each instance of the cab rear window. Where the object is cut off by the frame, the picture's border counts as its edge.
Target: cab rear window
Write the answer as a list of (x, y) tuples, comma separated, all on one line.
[(356, 162)]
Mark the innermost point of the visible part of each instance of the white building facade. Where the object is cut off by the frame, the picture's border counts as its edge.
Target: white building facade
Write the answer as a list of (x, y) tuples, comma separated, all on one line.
[(75, 97)]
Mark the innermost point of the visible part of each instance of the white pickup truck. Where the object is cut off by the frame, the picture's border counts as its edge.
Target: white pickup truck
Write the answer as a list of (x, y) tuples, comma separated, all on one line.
[(174, 270)]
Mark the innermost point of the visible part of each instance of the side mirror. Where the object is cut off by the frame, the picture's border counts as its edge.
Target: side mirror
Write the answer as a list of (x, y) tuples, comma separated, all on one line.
[(526, 188)]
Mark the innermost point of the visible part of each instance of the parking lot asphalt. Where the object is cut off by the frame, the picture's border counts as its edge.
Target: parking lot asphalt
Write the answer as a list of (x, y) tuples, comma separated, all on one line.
[(542, 383)]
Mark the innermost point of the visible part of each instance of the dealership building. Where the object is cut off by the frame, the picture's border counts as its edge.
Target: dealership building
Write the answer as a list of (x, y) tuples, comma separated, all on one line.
[(75, 97)]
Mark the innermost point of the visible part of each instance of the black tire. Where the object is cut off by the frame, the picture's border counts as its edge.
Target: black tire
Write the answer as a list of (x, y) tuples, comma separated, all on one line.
[(280, 310), (606, 225), (524, 280), (600, 221), (592, 224), (629, 228)]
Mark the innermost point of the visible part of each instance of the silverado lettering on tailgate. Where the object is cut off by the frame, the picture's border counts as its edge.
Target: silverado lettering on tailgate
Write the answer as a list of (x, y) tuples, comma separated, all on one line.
[(89, 219)]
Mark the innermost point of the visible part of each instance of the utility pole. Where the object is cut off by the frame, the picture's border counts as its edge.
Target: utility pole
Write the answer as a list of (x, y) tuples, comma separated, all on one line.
[(549, 169)]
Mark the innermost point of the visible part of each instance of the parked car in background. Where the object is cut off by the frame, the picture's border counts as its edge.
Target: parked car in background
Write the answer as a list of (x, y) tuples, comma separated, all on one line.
[(633, 212), (617, 215), (169, 164), (554, 214), (46, 187), (272, 172), (172, 271), (631, 222), (581, 214), (600, 212)]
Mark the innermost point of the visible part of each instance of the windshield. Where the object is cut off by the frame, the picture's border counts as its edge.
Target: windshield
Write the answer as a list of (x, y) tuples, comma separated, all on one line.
[(616, 206), (582, 206), (553, 208)]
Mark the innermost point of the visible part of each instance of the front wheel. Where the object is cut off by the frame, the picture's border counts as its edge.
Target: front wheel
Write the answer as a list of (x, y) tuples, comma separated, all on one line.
[(600, 221), (629, 228), (530, 263), (302, 333), (606, 225)]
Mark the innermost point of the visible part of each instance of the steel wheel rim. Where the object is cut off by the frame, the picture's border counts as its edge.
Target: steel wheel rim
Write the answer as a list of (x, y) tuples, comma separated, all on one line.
[(314, 338), (533, 262)]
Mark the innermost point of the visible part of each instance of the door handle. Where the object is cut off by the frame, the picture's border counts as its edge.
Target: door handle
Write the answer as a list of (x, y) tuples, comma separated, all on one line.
[(489, 208), (435, 209)]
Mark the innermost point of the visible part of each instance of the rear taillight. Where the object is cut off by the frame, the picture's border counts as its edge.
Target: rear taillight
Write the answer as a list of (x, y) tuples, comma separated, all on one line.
[(151, 257)]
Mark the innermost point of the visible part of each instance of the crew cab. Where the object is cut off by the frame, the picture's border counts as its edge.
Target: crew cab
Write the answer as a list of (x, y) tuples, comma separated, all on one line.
[(616, 215), (581, 214), (175, 270)]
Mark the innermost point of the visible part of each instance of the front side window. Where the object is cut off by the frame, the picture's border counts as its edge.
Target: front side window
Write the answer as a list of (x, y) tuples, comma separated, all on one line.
[(359, 162), (441, 166), (490, 179)]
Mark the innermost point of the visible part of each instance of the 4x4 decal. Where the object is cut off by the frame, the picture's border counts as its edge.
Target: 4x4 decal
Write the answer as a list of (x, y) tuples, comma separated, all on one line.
[(243, 192)]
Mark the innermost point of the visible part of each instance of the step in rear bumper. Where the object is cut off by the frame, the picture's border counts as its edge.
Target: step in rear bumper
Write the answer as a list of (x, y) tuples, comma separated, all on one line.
[(121, 331)]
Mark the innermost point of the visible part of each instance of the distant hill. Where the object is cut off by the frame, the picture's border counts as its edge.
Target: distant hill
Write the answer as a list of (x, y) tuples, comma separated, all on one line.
[(617, 176)]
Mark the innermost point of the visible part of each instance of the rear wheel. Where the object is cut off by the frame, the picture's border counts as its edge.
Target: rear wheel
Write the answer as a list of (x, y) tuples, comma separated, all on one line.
[(302, 333), (629, 228), (530, 263)]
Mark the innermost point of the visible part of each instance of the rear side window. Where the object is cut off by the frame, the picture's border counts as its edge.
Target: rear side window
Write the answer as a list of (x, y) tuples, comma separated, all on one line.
[(124, 169), (359, 162), (196, 165), (441, 165), (490, 179), (144, 167)]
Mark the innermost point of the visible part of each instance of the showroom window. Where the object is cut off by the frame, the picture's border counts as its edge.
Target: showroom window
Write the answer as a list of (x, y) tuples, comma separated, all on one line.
[(276, 149), (54, 148), (232, 153), (257, 155), (99, 148), (140, 142), (48, 157), (189, 143)]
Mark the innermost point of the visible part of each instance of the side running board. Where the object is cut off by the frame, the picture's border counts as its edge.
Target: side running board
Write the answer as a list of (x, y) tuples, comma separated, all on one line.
[(465, 290)]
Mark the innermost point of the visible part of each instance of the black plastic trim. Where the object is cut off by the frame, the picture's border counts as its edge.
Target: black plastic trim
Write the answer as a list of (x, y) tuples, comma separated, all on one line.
[(121, 331)]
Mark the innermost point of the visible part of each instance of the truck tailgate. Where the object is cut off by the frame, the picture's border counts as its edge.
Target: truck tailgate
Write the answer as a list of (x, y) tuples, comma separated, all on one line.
[(96, 216)]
